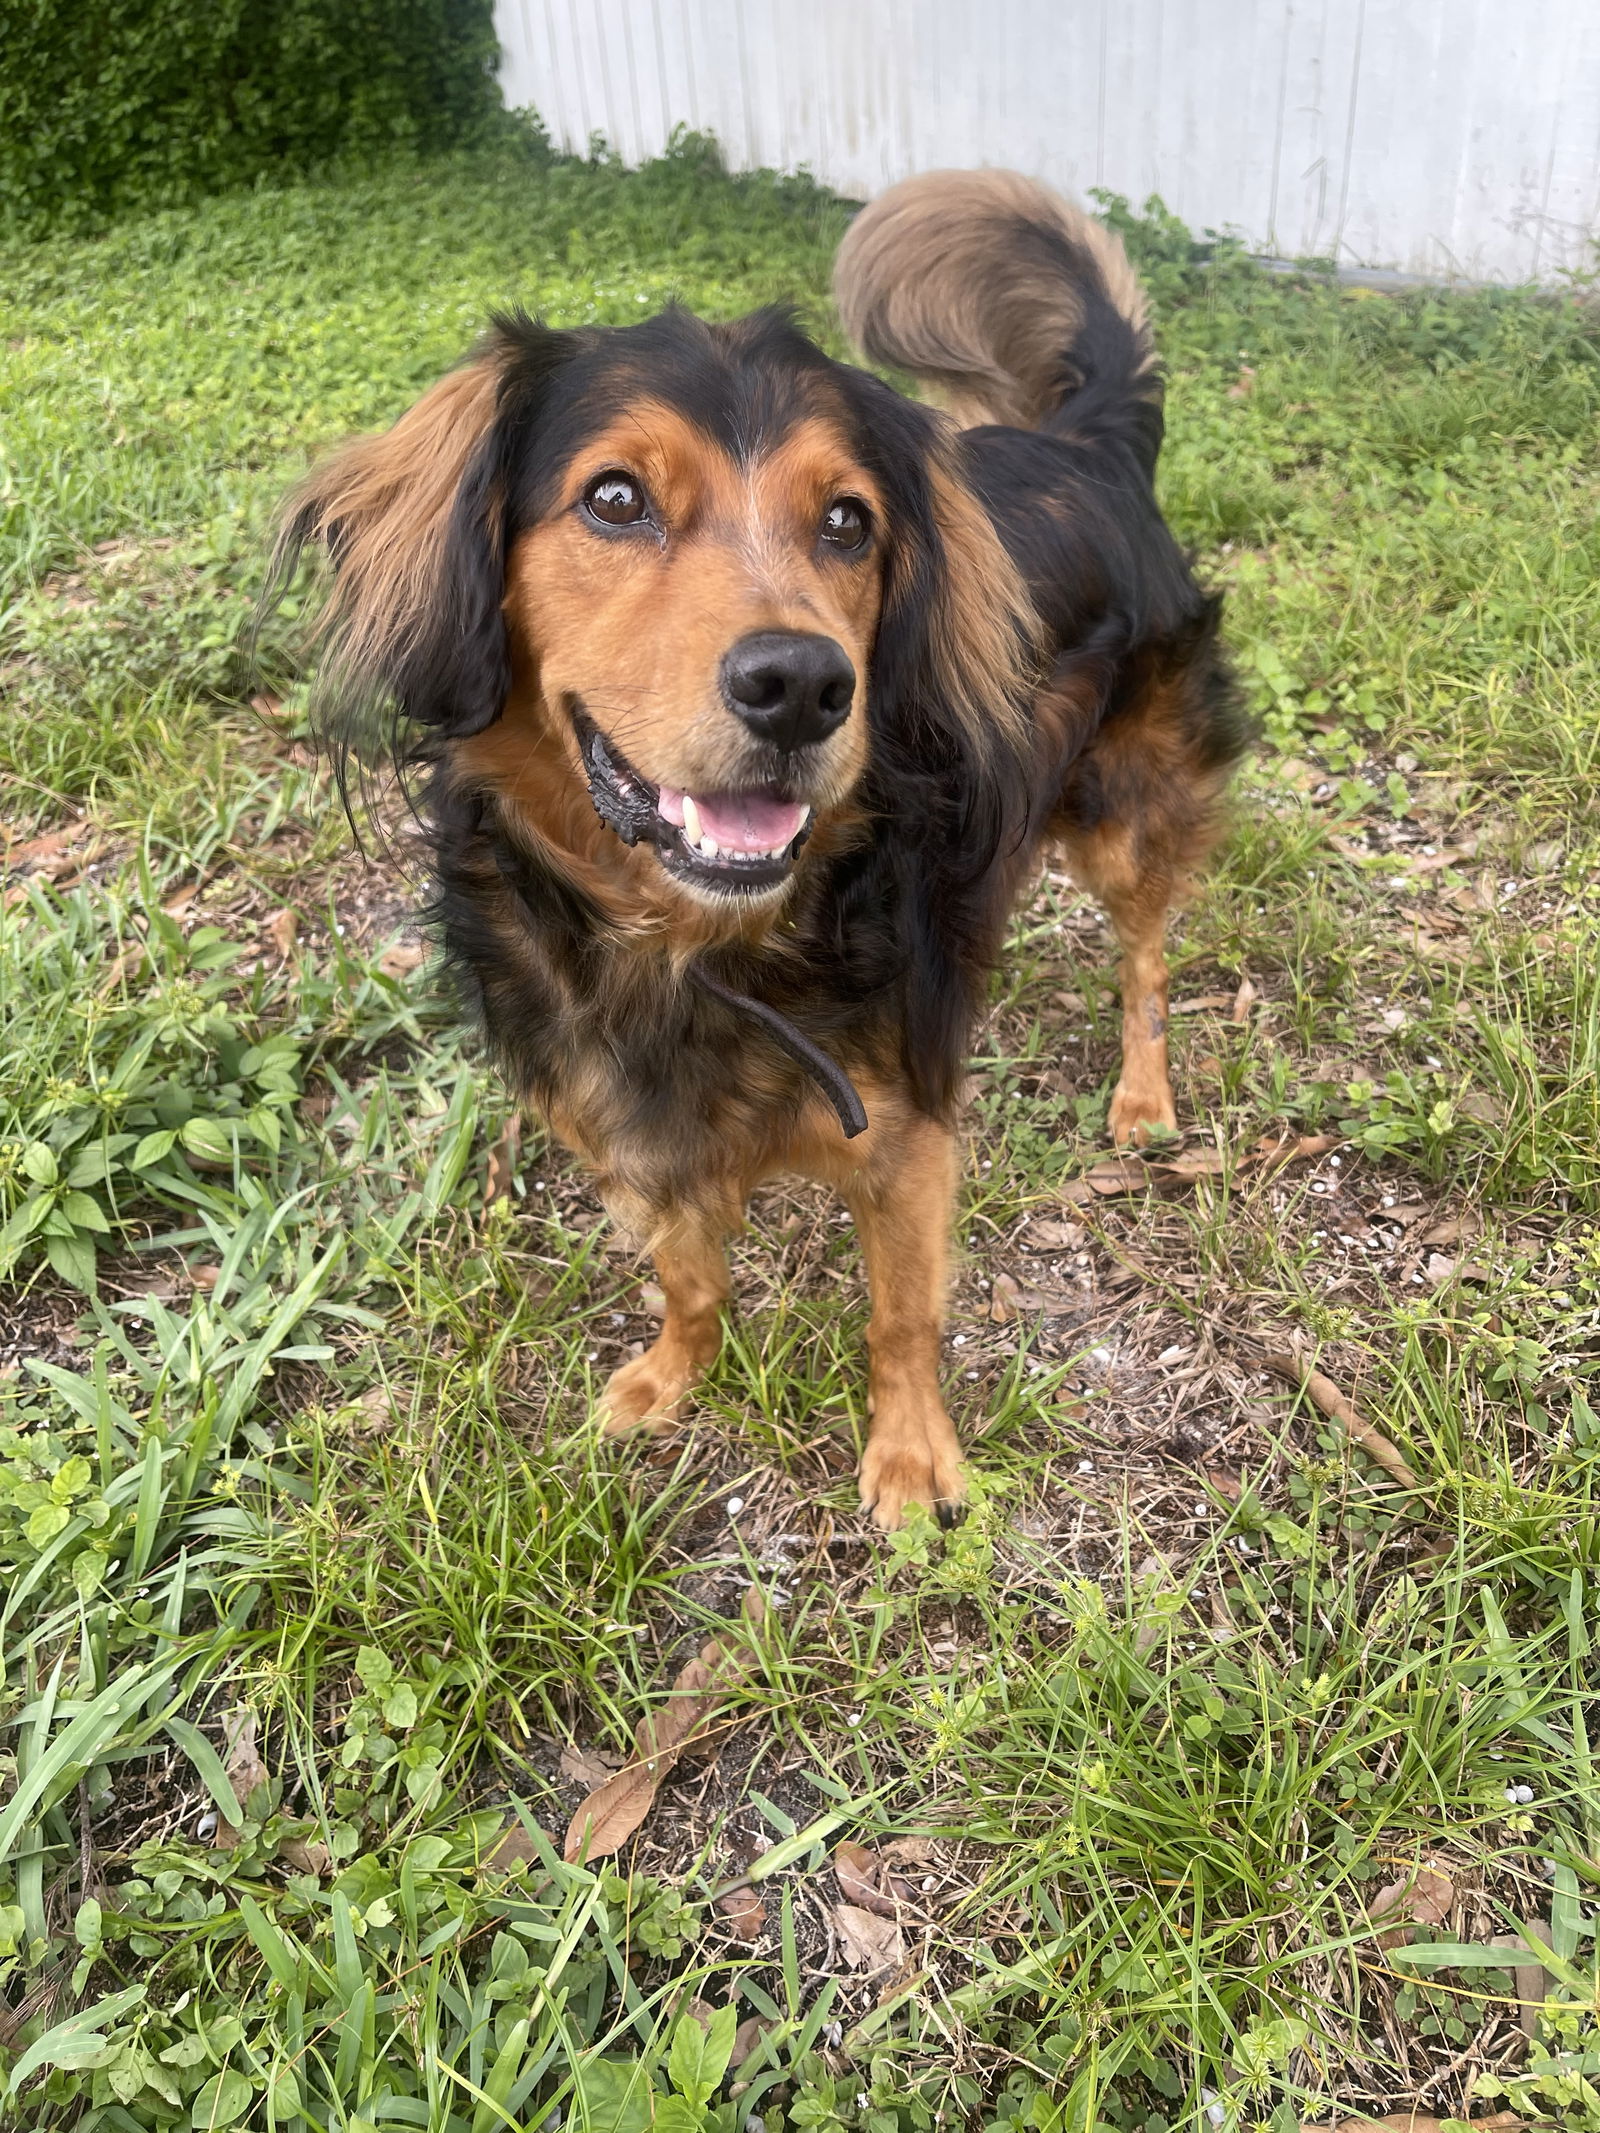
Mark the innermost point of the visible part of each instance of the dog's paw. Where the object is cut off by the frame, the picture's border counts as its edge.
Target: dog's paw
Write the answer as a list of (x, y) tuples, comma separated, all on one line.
[(914, 1465), (1139, 1109), (648, 1393)]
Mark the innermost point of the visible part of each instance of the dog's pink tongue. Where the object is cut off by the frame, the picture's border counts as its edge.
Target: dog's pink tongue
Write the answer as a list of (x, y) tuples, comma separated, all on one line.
[(738, 821), (749, 821)]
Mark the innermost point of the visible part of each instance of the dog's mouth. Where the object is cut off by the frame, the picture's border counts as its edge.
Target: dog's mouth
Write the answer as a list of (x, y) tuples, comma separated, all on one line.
[(726, 844)]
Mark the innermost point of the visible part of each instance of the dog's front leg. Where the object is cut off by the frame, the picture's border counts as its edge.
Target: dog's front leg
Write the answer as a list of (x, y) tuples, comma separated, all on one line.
[(692, 1269), (902, 1200)]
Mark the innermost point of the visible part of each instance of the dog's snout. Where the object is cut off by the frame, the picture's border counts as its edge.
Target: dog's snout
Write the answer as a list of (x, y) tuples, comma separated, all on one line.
[(790, 687)]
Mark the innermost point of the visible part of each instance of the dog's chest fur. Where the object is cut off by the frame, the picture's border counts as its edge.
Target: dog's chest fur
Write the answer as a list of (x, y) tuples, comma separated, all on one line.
[(666, 1089)]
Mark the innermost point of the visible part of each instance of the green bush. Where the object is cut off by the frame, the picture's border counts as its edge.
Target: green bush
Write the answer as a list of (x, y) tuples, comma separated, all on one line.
[(136, 103)]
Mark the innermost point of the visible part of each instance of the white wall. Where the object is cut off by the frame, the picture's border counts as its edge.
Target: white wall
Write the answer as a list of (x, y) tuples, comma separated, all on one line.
[(1442, 137)]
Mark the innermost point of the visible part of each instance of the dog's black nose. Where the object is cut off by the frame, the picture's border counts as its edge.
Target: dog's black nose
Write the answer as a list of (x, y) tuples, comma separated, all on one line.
[(791, 687)]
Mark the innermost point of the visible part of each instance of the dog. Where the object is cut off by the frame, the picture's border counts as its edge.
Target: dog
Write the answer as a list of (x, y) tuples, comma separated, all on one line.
[(752, 694)]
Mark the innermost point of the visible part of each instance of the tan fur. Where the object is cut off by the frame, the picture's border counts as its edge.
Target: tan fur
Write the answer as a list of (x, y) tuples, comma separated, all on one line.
[(899, 1180), (1137, 868), (636, 630), (388, 499), (930, 278), (985, 634)]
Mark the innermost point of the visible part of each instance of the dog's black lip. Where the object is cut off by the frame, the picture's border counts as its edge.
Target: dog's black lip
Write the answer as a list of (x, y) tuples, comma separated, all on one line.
[(627, 802)]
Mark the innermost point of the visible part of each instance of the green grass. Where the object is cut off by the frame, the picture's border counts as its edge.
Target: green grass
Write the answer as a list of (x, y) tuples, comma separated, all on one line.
[(304, 1527)]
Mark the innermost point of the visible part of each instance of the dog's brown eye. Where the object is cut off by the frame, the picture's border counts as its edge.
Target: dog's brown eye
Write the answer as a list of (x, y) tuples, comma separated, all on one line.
[(615, 499), (844, 523)]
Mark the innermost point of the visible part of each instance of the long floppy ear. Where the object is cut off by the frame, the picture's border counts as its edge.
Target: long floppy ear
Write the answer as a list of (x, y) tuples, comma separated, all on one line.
[(955, 664), (416, 523), (957, 654)]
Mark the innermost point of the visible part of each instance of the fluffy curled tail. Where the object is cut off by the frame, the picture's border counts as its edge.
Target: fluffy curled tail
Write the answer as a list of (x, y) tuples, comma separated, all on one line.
[(1011, 304)]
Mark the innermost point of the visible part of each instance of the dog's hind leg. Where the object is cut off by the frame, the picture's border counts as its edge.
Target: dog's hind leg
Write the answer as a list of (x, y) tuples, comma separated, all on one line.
[(692, 1268), (1136, 898)]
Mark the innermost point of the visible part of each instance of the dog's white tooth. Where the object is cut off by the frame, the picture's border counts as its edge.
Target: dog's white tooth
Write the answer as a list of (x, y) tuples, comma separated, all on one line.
[(710, 847), (691, 818)]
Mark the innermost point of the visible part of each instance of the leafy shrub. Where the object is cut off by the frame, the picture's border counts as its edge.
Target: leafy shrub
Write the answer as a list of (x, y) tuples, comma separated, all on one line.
[(140, 102)]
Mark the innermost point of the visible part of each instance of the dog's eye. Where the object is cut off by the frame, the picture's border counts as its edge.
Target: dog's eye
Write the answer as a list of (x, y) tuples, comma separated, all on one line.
[(615, 499), (844, 523)]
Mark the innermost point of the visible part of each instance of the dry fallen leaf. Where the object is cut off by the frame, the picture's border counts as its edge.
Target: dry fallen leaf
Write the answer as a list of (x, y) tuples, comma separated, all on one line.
[(609, 1816), (283, 929), (745, 2039), (869, 1942), (587, 1766), (503, 1160), (513, 1847), (1191, 1163), (305, 1855), (241, 1759), (743, 1912), (1003, 1299), (1451, 1229), (1043, 1236), (1532, 1985), (858, 1872), (1243, 1000), (205, 1276), (1272, 1154), (1203, 1003), (1424, 1898), (404, 957), (908, 1851)]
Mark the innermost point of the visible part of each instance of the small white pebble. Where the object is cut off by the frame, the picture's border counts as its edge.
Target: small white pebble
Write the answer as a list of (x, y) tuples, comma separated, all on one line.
[(833, 2035), (1524, 1794), (1085, 1466), (1202, 1510), (594, 1355), (1512, 1793), (958, 1340), (735, 1506), (206, 1826), (852, 1718)]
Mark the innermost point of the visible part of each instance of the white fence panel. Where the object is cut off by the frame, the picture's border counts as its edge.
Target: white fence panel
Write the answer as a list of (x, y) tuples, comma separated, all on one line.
[(1441, 137)]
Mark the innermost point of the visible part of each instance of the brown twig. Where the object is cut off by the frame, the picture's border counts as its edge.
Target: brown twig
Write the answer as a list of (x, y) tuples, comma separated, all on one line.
[(1419, 2122), (1324, 1394)]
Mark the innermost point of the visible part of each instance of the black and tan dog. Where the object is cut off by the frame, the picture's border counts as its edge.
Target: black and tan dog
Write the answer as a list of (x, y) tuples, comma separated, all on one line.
[(754, 693)]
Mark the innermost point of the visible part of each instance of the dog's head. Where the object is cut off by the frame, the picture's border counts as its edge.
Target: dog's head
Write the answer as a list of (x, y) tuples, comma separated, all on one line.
[(691, 580)]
